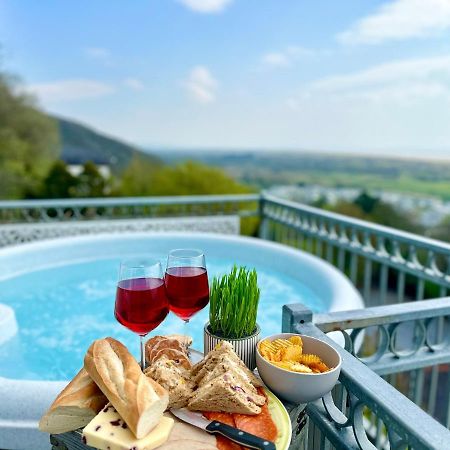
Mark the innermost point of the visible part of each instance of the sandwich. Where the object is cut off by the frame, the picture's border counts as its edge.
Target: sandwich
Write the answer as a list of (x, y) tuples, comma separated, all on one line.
[(227, 393), (223, 353), (174, 378)]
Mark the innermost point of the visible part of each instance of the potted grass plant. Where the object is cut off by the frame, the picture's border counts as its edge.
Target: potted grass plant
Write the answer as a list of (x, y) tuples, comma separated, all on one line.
[(233, 308)]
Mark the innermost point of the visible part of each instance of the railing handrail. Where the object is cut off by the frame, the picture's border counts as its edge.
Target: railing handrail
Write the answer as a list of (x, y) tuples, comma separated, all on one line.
[(362, 225), (382, 315), (422, 352), (111, 201)]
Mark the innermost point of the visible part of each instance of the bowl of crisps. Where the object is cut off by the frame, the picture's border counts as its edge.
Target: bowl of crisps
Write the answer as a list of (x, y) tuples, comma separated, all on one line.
[(297, 368)]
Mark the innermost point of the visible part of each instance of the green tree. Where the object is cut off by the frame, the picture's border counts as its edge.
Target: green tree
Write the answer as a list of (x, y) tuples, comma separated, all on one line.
[(366, 202), (29, 141), (442, 231), (388, 215), (188, 178), (136, 179), (90, 181), (348, 209), (194, 178), (59, 182), (382, 213)]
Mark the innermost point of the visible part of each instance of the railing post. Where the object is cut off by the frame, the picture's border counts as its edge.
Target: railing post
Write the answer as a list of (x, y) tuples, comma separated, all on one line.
[(264, 225), (293, 315)]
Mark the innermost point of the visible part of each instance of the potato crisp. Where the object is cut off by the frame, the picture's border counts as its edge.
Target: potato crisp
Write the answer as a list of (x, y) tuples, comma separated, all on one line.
[(288, 354)]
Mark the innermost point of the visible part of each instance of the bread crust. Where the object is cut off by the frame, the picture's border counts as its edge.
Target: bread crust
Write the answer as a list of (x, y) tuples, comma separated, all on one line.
[(178, 357), (81, 398), (165, 344), (152, 342), (139, 401)]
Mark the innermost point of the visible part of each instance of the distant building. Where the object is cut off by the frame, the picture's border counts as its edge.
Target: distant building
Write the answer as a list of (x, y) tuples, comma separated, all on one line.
[(76, 169), (430, 211)]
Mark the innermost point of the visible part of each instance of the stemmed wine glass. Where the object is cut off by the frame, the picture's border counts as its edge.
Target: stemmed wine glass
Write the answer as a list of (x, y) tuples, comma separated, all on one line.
[(141, 302), (186, 282)]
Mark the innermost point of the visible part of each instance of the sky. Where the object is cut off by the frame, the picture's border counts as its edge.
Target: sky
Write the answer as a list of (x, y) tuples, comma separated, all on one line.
[(346, 76)]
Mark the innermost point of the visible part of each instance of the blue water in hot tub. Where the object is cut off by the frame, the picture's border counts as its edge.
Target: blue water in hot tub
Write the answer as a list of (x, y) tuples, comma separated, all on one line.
[(61, 310)]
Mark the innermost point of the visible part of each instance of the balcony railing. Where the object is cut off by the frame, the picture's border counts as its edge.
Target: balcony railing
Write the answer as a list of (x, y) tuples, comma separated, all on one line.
[(398, 336), (364, 411), (32, 211)]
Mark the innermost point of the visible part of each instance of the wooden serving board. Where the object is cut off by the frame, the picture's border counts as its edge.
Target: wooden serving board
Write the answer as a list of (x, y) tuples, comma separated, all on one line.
[(68, 441)]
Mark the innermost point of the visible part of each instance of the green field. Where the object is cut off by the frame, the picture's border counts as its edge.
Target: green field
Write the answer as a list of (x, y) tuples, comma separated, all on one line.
[(265, 169)]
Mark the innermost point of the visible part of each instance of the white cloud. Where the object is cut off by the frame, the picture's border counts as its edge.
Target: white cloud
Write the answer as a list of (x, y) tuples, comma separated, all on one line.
[(134, 84), (286, 57), (402, 82), (206, 6), (99, 54), (401, 70), (276, 60), (70, 90), (399, 19), (201, 85), (298, 51)]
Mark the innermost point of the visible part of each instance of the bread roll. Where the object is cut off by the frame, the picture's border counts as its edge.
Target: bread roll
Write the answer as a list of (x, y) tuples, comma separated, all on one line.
[(138, 399), (75, 406)]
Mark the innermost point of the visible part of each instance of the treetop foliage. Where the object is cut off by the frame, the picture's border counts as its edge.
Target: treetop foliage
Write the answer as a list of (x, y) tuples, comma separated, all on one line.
[(29, 141)]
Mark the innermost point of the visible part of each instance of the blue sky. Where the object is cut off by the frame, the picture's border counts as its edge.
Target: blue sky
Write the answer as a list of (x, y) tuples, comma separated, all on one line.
[(347, 75)]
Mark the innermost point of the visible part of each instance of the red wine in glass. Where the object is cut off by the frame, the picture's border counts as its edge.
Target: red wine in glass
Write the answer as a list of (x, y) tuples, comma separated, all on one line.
[(186, 282), (141, 302), (187, 289)]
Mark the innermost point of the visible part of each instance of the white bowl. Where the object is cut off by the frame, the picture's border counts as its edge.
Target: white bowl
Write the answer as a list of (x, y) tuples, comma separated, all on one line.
[(296, 387)]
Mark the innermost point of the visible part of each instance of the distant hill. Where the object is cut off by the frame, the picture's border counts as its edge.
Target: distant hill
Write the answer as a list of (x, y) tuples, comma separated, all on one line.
[(267, 168), (81, 143)]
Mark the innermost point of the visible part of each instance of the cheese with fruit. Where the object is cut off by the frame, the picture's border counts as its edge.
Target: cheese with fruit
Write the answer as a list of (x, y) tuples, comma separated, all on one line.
[(108, 431)]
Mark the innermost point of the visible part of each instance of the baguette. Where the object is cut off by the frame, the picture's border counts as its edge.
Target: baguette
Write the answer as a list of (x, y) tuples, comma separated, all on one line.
[(139, 400), (75, 406)]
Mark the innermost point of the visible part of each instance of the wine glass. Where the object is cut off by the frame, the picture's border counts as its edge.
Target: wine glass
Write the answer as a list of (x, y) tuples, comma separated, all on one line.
[(141, 302), (186, 282)]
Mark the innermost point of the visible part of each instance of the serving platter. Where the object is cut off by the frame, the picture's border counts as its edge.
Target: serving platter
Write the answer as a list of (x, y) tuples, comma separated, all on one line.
[(72, 440)]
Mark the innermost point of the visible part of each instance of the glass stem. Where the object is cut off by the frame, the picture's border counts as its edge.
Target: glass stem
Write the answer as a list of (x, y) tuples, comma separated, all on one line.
[(186, 327), (142, 352)]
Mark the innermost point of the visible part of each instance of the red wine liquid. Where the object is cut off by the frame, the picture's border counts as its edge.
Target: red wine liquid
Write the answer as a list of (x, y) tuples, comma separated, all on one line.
[(187, 290), (141, 304)]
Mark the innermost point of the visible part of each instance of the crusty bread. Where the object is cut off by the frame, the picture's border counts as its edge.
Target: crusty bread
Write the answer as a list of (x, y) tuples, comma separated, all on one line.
[(163, 344), (150, 344), (174, 341), (224, 394), (174, 378), (75, 406), (185, 341), (138, 399), (178, 357)]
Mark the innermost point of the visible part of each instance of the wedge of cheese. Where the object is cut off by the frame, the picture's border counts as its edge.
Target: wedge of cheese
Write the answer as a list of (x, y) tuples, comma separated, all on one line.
[(108, 431)]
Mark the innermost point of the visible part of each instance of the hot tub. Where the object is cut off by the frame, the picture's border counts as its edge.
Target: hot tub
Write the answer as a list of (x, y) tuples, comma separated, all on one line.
[(62, 294)]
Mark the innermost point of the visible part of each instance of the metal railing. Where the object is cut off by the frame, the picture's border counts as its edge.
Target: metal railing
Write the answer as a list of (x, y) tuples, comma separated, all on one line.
[(388, 265), (364, 411), (30, 211)]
